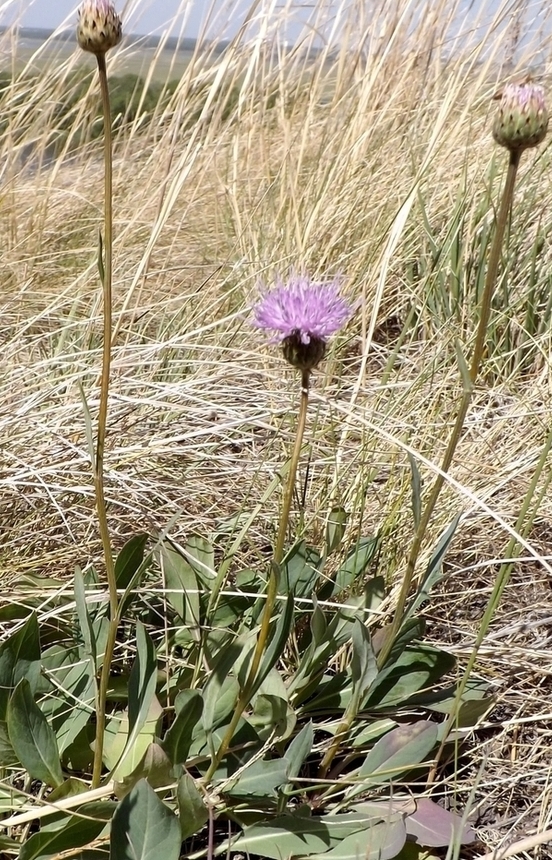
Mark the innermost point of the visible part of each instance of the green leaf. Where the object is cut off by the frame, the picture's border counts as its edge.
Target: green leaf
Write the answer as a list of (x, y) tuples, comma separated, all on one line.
[(276, 644), (75, 833), (182, 587), (300, 569), (396, 753), (129, 560), (155, 766), (284, 837), (192, 810), (417, 669), (32, 738), (120, 756), (142, 682), (364, 669), (85, 622), (354, 566), (434, 571), (144, 828), (298, 750), (178, 739), (335, 528), (73, 703), (381, 841), (260, 779), (19, 658), (7, 752)]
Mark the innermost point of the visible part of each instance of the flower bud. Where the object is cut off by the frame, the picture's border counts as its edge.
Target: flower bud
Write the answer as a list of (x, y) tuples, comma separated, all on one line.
[(99, 27), (522, 119)]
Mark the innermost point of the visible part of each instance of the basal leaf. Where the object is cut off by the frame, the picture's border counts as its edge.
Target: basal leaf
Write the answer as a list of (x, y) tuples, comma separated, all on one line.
[(178, 739), (397, 752), (335, 528), (129, 559), (299, 749), (32, 738), (144, 828), (260, 779), (284, 837), (435, 827), (155, 767), (85, 622), (191, 807), (142, 681), (76, 832), (381, 841)]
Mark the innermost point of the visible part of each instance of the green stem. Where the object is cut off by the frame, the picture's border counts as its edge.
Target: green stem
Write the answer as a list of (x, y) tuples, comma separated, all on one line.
[(273, 581), (479, 348), (101, 506)]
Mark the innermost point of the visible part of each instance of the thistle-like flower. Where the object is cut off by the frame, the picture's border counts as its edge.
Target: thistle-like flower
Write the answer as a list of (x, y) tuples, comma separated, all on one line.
[(302, 315), (522, 119), (99, 28)]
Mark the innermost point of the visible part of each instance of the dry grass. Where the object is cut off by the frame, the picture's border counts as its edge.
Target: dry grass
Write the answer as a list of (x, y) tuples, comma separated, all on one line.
[(336, 163)]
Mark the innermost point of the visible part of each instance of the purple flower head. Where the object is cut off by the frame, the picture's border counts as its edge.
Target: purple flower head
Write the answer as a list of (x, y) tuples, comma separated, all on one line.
[(302, 315)]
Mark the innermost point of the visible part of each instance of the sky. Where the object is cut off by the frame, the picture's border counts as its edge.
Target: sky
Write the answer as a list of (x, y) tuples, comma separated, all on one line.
[(148, 16)]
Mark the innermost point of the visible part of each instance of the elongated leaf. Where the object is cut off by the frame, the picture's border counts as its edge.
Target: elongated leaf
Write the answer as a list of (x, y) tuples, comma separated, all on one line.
[(434, 571), (129, 559), (260, 779), (276, 645), (300, 569), (32, 738), (364, 669), (397, 752), (155, 766), (298, 750), (144, 828), (284, 837), (120, 756), (19, 658), (192, 810), (178, 739), (354, 566), (381, 841), (77, 832), (435, 827), (335, 528), (182, 588), (142, 681), (76, 703), (85, 622), (417, 669)]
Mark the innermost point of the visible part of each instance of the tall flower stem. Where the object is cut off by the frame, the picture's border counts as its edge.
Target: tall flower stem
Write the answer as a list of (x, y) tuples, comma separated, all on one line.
[(479, 348), (106, 273), (273, 580)]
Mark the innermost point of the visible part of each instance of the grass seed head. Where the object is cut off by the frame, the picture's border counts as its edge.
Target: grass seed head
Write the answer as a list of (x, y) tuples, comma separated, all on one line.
[(99, 28), (522, 119)]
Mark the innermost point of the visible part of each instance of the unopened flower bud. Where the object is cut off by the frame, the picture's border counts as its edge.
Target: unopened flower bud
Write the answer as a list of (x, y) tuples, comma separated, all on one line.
[(522, 119), (99, 27)]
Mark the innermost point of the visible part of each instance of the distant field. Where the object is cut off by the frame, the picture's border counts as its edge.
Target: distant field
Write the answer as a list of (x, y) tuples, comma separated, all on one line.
[(35, 54)]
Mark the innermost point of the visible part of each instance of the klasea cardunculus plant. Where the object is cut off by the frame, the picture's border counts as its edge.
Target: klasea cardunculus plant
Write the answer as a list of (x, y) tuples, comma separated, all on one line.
[(301, 315), (99, 27), (522, 118)]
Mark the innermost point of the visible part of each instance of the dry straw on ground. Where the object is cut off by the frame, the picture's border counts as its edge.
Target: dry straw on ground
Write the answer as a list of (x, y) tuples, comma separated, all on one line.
[(371, 158)]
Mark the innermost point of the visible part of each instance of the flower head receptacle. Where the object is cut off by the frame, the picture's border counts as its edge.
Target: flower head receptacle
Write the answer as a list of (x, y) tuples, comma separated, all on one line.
[(99, 28), (302, 315), (522, 119)]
